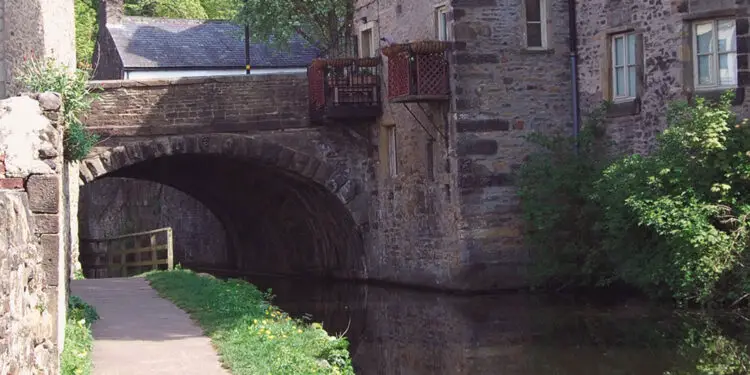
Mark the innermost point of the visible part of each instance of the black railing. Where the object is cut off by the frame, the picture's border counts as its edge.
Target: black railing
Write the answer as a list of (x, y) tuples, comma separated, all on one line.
[(345, 88)]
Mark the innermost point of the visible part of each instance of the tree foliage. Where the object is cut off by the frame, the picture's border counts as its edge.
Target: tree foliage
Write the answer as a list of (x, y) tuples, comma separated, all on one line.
[(674, 223), (86, 31), (192, 9), (325, 24)]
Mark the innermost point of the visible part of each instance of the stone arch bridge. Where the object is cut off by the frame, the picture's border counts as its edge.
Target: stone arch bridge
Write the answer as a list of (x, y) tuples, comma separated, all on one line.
[(292, 196)]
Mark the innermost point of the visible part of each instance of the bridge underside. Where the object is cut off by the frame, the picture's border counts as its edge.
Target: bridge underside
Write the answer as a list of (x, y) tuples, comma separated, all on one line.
[(275, 221)]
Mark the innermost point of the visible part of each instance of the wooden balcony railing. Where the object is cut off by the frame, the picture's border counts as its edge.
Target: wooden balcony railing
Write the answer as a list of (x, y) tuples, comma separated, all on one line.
[(418, 71), (345, 88)]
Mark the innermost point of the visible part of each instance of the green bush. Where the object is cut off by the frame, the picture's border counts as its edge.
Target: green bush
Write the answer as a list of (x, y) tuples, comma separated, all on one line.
[(47, 75), (76, 356), (673, 224), (556, 183), (676, 221)]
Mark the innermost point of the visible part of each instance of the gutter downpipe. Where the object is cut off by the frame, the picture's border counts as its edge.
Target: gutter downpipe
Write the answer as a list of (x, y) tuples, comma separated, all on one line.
[(574, 67)]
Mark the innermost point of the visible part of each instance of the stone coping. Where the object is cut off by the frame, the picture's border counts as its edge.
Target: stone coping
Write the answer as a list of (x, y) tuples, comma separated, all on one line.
[(161, 82)]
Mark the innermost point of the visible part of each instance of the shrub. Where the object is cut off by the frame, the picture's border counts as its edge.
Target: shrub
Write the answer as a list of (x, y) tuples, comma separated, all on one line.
[(47, 75), (76, 356), (555, 184), (676, 221)]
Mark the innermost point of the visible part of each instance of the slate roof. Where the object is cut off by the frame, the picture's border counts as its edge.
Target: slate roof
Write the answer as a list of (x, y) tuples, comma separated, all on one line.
[(178, 43)]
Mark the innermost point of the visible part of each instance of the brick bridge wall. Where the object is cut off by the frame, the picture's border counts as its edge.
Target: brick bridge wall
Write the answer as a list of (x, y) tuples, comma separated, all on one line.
[(243, 147)]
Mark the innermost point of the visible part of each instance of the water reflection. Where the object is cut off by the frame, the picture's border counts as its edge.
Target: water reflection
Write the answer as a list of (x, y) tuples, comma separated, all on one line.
[(396, 331)]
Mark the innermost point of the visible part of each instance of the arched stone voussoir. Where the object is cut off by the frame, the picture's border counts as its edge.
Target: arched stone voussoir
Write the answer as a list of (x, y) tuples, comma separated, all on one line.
[(251, 148)]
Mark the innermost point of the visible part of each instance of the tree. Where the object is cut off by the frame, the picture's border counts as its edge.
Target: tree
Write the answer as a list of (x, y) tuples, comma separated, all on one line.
[(221, 9), (86, 29), (325, 24), (166, 8)]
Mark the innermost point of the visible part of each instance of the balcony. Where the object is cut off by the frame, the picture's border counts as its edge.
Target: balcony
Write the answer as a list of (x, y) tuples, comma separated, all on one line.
[(417, 72), (345, 89)]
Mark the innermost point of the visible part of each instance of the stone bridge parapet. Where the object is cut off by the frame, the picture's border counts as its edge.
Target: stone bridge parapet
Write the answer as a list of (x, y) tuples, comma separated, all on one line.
[(220, 104)]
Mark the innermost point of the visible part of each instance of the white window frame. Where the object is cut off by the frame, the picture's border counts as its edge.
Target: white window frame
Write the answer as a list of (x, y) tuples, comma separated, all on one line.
[(626, 66), (392, 151), (439, 31), (373, 45), (714, 55), (542, 21)]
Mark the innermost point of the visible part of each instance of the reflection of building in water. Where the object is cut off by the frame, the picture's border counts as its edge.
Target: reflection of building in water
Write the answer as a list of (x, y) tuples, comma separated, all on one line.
[(404, 332)]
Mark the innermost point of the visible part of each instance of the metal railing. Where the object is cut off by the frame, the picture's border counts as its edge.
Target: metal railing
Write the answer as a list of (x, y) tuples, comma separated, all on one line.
[(128, 254)]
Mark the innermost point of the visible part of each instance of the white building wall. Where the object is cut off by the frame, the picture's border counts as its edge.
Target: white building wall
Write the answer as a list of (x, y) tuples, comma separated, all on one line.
[(150, 74)]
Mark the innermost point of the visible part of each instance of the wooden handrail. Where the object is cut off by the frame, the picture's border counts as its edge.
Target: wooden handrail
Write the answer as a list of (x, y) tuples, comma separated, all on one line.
[(167, 229), (119, 252)]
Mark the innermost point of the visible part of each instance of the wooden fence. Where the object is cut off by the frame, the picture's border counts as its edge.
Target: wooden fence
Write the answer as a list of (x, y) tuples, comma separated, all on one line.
[(128, 255)]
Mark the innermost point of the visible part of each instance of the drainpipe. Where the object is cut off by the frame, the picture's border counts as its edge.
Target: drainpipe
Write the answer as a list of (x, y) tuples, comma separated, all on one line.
[(574, 66)]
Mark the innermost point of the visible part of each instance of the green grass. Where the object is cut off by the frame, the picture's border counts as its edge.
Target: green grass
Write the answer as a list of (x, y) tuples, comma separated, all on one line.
[(76, 357), (251, 335)]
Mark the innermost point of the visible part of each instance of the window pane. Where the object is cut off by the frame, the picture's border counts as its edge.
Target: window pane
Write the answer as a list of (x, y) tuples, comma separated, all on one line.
[(620, 82), (619, 51), (727, 36), (705, 36), (631, 49), (533, 10), (728, 68), (631, 81), (443, 26), (534, 34), (704, 70)]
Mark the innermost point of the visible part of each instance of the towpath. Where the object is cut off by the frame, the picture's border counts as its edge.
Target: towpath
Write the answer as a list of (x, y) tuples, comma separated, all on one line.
[(142, 333)]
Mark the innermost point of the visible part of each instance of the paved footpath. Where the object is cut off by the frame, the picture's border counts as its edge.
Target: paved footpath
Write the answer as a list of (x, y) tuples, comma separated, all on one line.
[(140, 333)]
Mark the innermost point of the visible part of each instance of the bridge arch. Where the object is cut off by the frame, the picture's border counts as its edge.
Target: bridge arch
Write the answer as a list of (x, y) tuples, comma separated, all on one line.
[(284, 211)]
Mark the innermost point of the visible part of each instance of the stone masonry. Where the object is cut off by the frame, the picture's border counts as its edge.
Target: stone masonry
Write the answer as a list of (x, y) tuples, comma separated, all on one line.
[(34, 29), (32, 275), (665, 28), (461, 228)]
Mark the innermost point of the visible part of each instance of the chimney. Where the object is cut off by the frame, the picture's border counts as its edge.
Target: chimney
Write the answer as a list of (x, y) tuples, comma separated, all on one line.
[(111, 11)]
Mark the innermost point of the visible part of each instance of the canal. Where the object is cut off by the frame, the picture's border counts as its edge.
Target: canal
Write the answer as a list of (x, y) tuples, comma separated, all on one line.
[(396, 331)]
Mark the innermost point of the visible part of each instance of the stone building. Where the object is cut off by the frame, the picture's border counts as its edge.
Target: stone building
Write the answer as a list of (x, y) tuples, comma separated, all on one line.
[(445, 193), (670, 50)]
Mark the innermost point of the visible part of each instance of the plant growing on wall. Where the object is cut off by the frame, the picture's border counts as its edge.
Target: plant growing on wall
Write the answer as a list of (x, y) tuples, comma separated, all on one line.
[(48, 75)]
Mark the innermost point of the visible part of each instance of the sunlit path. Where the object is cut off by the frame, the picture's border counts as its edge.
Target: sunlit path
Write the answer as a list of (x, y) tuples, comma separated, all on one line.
[(141, 333)]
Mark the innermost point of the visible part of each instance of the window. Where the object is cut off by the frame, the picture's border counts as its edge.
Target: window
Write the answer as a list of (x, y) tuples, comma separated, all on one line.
[(392, 161), (441, 23), (624, 66), (536, 23), (715, 53), (366, 44)]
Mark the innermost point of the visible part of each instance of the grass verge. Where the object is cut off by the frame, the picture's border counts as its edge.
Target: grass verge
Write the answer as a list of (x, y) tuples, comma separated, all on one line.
[(251, 335), (76, 357)]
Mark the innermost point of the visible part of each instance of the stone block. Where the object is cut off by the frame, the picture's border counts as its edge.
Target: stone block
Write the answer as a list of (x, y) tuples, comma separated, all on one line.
[(46, 223), (44, 193), (50, 247)]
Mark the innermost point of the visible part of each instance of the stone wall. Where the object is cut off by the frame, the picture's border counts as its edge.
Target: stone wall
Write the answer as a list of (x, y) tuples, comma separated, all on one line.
[(666, 31), (117, 206), (34, 28), (453, 220), (236, 104), (32, 253)]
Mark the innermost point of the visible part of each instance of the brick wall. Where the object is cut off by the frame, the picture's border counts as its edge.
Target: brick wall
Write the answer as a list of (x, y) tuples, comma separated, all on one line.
[(666, 30), (32, 253), (235, 104)]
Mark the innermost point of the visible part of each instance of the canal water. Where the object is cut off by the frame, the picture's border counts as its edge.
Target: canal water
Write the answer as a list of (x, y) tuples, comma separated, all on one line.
[(396, 331)]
